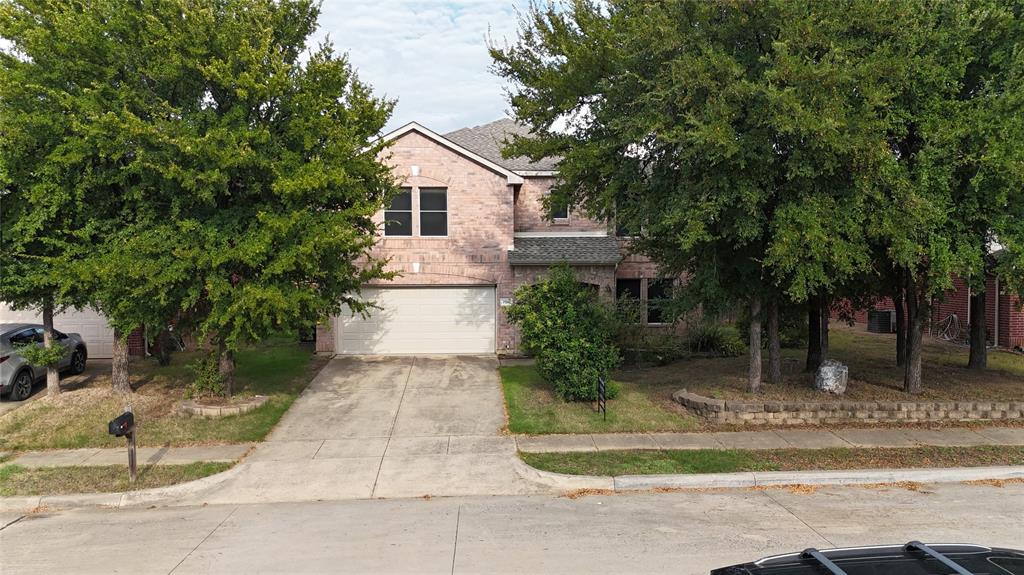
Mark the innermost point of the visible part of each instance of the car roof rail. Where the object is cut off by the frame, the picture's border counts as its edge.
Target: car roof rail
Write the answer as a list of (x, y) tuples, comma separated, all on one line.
[(918, 546), (812, 553)]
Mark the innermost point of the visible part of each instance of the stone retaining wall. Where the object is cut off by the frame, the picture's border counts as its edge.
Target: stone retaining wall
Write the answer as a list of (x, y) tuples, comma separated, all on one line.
[(841, 411), (237, 407)]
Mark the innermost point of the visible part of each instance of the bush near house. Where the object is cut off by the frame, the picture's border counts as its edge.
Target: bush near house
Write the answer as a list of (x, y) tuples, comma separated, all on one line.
[(569, 331)]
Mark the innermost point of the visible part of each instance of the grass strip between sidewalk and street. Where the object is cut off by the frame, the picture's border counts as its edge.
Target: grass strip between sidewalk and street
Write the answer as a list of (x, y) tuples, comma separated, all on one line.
[(612, 463), (19, 480)]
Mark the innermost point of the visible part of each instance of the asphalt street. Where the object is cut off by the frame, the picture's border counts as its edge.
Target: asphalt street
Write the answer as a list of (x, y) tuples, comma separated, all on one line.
[(679, 533)]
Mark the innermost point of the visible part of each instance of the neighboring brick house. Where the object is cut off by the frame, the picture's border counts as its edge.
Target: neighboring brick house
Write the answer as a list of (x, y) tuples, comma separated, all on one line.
[(1004, 316), (468, 229)]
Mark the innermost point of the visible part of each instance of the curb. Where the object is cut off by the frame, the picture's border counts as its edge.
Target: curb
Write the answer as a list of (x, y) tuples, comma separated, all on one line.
[(626, 483), (192, 493), (170, 495)]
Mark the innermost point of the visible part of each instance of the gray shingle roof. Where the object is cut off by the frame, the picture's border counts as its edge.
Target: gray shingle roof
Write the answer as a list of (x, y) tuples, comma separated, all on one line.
[(488, 140), (570, 249)]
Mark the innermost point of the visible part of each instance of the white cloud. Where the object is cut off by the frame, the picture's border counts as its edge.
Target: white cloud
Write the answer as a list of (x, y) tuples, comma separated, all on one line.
[(429, 54)]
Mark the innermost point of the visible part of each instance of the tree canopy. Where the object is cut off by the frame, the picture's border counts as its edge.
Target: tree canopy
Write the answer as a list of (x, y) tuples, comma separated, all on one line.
[(210, 162), (780, 149)]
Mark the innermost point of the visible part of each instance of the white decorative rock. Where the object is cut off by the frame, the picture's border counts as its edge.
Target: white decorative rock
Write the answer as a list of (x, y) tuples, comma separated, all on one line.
[(831, 377)]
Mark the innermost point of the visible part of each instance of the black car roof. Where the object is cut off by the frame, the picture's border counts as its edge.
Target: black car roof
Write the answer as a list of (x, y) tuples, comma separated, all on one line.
[(911, 559)]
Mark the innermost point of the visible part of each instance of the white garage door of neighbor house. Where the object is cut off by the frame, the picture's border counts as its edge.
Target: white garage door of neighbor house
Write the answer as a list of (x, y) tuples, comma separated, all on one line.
[(422, 321), (93, 328)]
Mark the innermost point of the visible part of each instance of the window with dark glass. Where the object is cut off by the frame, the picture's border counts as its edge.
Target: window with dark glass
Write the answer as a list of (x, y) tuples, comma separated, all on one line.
[(627, 288), (560, 211), (658, 293), (433, 212), (398, 218)]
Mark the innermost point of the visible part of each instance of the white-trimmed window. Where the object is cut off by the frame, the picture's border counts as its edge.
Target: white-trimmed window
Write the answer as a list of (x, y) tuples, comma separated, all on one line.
[(398, 217), (433, 211), (560, 213)]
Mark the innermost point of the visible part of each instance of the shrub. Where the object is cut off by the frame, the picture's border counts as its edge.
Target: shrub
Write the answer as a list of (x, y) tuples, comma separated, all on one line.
[(568, 330), (39, 355), (715, 338), (575, 367), (207, 380)]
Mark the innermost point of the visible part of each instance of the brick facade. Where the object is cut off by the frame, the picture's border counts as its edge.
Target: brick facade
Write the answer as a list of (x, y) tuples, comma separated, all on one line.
[(485, 211), (529, 211), (956, 301)]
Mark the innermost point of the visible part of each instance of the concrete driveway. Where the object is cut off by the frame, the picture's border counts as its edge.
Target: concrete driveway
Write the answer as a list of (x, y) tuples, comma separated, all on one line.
[(388, 427)]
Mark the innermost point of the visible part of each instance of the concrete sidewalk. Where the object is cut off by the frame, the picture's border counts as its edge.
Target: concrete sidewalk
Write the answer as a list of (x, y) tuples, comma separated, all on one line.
[(774, 439), (119, 456)]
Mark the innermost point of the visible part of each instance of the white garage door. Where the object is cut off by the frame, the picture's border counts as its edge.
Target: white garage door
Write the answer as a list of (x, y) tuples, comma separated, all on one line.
[(422, 321), (98, 336)]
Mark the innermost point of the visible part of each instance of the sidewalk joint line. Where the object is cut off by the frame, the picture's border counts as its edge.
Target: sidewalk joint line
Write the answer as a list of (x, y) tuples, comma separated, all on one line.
[(391, 431), (317, 452), (455, 546), (12, 522), (212, 531), (768, 494)]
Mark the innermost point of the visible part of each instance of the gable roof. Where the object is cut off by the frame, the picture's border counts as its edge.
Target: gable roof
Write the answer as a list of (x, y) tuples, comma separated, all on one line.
[(488, 140), (511, 176)]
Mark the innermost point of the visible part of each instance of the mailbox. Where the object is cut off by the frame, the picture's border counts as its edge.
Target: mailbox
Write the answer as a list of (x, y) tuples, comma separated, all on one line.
[(122, 425)]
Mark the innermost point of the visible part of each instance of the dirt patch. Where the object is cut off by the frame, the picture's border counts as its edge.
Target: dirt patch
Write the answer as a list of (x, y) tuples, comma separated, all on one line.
[(580, 493), (995, 482), (873, 374)]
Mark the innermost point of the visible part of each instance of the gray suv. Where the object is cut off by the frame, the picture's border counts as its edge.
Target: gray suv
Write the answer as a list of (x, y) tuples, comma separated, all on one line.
[(16, 375)]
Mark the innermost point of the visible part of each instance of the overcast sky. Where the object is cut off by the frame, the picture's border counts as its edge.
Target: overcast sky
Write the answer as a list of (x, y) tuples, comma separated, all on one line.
[(429, 54)]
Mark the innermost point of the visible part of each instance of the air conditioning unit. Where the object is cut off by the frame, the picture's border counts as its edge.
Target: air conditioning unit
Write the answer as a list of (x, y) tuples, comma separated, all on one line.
[(882, 320)]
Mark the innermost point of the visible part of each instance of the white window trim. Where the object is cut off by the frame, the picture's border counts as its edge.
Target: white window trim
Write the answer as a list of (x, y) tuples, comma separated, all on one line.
[(419, 212), (412, 218)]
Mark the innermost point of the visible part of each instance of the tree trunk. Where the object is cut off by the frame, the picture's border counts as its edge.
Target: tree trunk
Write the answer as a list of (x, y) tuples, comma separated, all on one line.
[(814, 358), (226, 367), (826, 316), (119, 374), (901, 326), (979, 338), (774, 344), (917, 309), (53, 370), (754, 378), (163, 347)]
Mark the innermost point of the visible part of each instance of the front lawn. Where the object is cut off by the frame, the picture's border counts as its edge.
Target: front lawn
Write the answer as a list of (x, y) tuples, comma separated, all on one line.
[(18, 480), (724, 461), (874, 375), (534, 409), (278, 368)]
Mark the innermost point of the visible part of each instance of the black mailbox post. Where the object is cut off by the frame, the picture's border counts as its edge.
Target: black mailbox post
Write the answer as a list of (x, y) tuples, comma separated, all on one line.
[(124, 426)]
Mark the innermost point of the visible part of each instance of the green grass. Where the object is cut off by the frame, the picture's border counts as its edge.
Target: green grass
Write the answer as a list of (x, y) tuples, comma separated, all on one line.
[(278, 369), (726, 461), (18, 480), (534, 409)]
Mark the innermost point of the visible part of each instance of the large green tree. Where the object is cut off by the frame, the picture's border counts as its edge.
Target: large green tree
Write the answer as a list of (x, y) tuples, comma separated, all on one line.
[(719, 129), (222, 167)]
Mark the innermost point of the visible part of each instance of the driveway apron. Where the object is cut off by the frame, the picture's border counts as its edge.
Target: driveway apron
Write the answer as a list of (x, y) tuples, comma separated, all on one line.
[(388, 427)]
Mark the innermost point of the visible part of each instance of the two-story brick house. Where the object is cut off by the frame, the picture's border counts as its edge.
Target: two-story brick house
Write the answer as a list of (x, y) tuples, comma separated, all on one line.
[(466, 231)]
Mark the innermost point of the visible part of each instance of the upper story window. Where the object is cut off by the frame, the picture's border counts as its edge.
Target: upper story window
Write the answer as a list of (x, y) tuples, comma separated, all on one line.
[(560, 212), (398, 218), (433, 212)]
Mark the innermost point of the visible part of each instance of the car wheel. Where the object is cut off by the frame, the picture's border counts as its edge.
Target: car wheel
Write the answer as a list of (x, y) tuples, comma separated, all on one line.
[(77, 362), (22, 386)]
